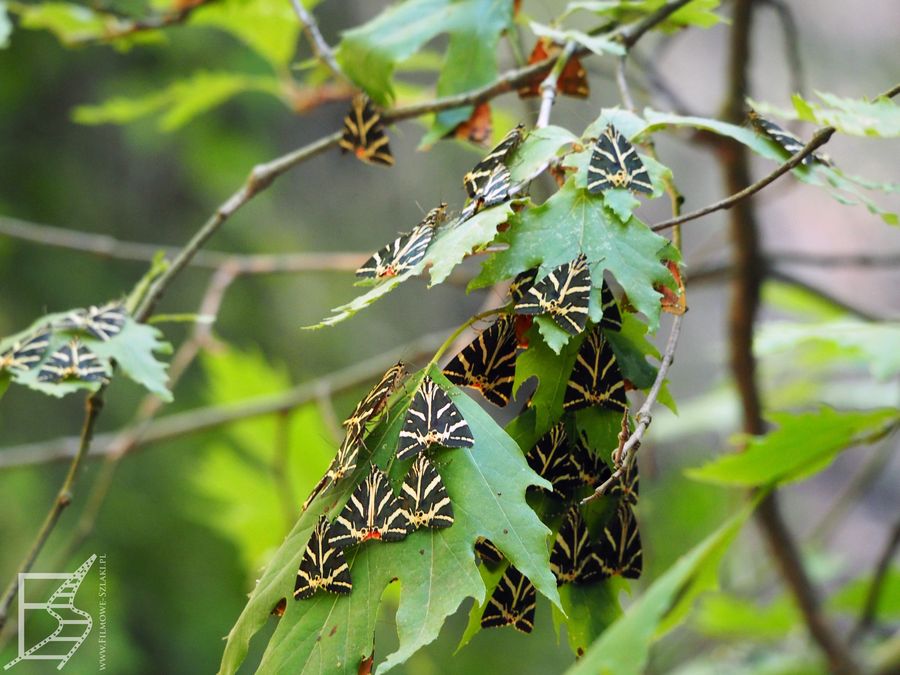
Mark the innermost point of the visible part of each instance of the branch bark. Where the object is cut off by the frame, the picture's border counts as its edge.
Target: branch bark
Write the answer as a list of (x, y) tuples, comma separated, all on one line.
[(745, 294)]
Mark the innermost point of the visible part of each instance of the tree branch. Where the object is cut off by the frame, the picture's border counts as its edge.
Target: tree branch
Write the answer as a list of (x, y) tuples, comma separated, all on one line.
[(870, 607), (105, 246), (129, 26), (745, 296)]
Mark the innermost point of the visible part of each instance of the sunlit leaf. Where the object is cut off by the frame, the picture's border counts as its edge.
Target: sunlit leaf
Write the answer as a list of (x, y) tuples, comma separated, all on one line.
[(851, 599), (728, 616), (436, 569), (802, 444)]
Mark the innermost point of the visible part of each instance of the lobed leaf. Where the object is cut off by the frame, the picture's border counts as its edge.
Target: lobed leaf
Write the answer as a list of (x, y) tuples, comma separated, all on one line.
[(571, 222), (436, 569)]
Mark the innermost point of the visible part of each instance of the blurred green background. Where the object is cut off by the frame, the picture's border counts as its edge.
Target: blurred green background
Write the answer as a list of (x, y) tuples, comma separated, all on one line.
[(188, 523)]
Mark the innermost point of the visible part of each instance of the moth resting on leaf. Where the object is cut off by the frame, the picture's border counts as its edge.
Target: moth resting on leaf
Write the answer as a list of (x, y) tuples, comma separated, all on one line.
[(406, 251)]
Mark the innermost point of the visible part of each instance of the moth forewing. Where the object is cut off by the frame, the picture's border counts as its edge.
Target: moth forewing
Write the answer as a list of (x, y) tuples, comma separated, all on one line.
[(364, 133), (615, 163), (572, 558), (432, 419), (478, 177), (564, 294), (322, 566), (596, 378), (73, 361), (425, 497), (372, 512), (488, 363), (27, 353), (512, 603)]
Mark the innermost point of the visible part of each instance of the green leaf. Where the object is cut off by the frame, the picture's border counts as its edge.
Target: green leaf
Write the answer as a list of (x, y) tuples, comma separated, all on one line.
[(796, 300), (268, 27), (551, 368), (133, 351), (879, 117), (803, 444), (554, 336), (572, 222), (697, 13), (368, 54), (870, 343), (471, 59), (5, 26), (599, 44), (453, 244), (623, 649), (727, 616), (851, 599), (589, 610), (841, 187), (180, 102), (70, 23), (621, 202), (539, 147), (436, 569), (4, 382)]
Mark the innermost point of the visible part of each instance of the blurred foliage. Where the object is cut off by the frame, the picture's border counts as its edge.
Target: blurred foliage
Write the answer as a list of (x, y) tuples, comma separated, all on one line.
[(189, 526)]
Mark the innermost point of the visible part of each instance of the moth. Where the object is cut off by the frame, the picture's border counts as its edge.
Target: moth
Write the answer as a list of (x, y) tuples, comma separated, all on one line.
[(784, 138), (488, 363), (102, 323), (512, 603), (372, 512), (477, 179), (619, 549), (612, 317), (564, 294), (551, 458), (73, 361), (596, 378), (364, 133), (27, 353), (406, 251), (366, 410), (496, 191), (432, 419), (571, 82), (323, 566), (425, 497), (520, 285), (572, 558), (616, 164)]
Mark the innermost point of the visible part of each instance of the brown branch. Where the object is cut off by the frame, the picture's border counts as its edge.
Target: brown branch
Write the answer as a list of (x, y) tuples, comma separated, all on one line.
[(745, 297), (870, 607)]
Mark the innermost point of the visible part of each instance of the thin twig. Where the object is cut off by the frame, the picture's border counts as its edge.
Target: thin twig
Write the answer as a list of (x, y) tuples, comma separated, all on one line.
[(745, 298), (819, 139), (870, 606), (203, 419), (642, 418), (793, 280), (548, 85), (622, 83), (320, 48), (63, 499), (105, 246)]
